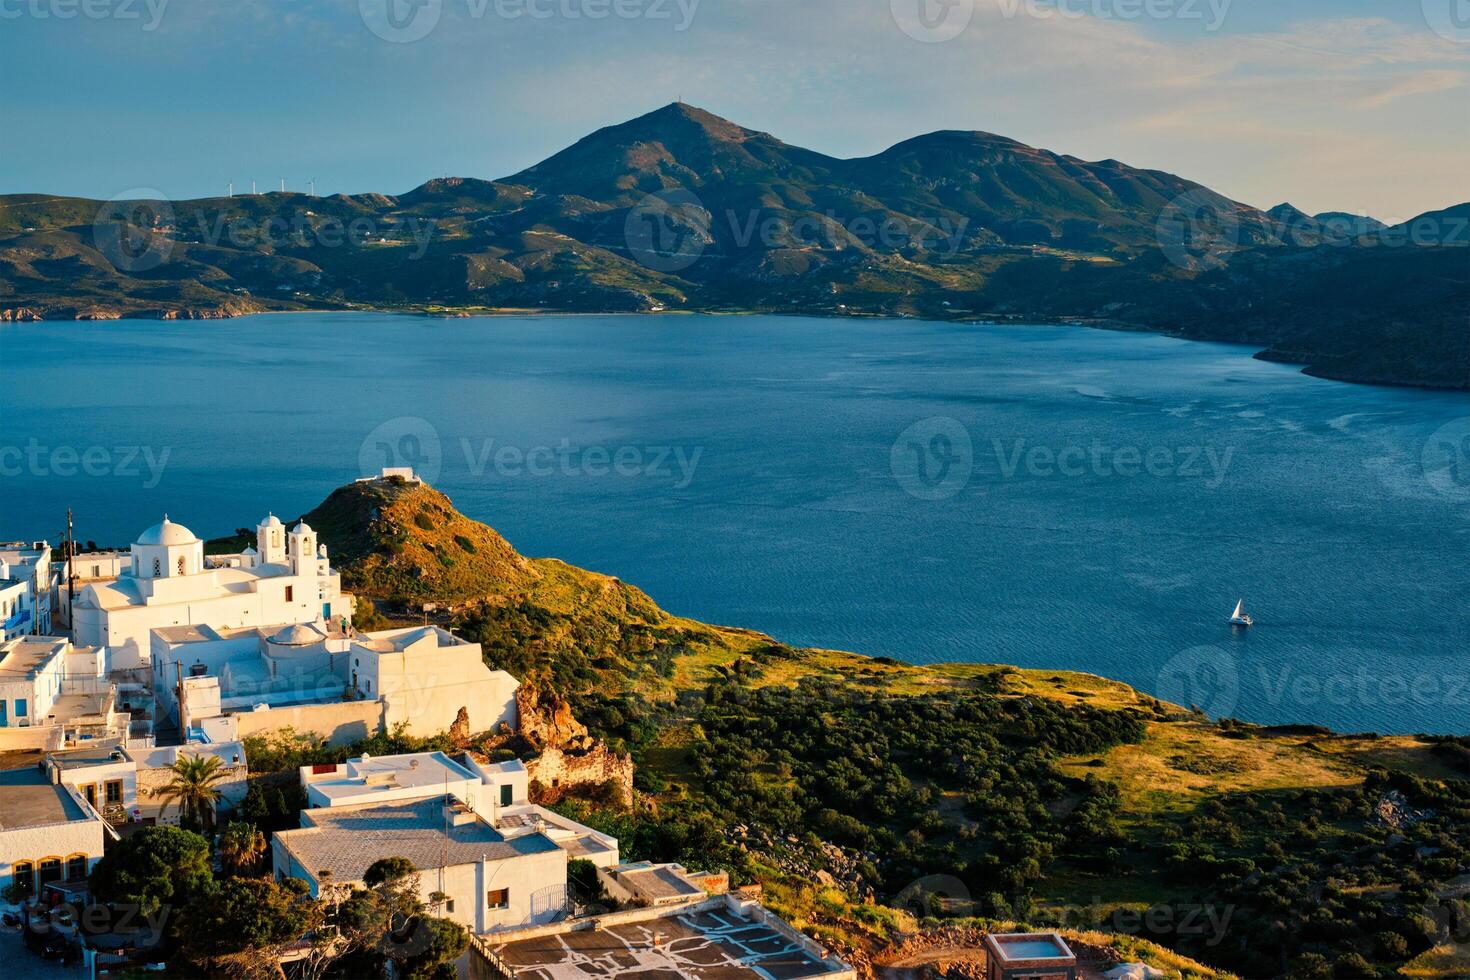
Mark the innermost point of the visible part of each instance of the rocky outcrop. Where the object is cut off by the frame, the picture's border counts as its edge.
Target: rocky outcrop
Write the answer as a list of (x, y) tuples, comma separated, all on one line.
[(546, 719), (1395, 812), (459, 732), (19, 315), (569, 761)]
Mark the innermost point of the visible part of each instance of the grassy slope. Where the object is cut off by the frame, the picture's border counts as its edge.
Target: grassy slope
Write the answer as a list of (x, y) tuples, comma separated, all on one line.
[(586, 632)]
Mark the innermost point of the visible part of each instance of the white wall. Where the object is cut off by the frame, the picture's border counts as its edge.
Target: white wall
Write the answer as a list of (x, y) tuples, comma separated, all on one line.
[(61, 840), (535, 883)]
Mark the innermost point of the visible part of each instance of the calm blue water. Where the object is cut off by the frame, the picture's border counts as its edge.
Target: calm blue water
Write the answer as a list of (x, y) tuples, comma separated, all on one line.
[(744, 471)]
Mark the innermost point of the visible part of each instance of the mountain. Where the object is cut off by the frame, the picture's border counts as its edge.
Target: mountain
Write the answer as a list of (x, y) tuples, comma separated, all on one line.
[(680, 209)]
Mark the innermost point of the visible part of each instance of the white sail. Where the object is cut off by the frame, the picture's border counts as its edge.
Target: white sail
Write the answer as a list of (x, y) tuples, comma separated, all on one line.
[(1239, 608)]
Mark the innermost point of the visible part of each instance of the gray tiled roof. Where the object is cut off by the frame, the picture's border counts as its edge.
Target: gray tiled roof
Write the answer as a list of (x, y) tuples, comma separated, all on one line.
[(347, 840)]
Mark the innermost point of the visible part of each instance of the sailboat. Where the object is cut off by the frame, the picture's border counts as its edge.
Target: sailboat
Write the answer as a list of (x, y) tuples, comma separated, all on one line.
[(1240, 617)]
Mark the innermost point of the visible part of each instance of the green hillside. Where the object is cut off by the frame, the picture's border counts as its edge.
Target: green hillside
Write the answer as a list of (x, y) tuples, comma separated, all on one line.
[(869, 796)]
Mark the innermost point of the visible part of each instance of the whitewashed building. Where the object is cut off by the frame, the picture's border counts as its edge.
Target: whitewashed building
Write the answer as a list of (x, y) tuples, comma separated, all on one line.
[(25, 588), (284, 578), (48, 832), (495, 791), (53, 693), (490, 881), (317, 677), (124, 782)]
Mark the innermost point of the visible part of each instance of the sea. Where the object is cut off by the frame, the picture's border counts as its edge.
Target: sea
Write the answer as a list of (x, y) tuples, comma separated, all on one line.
[(1053, 497)]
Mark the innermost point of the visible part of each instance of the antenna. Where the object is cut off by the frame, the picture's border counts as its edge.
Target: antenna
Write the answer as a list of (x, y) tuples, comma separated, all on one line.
[(253, 191), (283, 185), (71, 564), (232, 189)]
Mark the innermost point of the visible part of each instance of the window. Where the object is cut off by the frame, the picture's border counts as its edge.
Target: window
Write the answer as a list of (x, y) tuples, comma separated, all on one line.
[(48, 870), (114, 791), (198, 670), (290, 593), (157, 568), (449, 905), (96, 571), (76, 867), (89, 793), (181, 564), (507, 794), (25, 876), (20, 707), (497, 898)]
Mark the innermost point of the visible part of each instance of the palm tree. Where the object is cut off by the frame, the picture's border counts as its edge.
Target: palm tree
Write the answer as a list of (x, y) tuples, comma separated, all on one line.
[(241, 846), (193, 787)]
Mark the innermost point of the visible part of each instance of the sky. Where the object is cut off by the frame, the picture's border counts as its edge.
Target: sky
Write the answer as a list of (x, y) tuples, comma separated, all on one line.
[(1342, 105)]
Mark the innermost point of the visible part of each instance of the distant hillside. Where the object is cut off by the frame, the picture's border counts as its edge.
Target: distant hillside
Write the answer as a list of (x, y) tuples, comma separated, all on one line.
[(680, 209)]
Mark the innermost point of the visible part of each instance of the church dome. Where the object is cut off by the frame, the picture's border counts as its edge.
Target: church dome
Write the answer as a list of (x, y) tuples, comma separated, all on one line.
[(167, 533), (301, 528), (271, 520), (296, 635)]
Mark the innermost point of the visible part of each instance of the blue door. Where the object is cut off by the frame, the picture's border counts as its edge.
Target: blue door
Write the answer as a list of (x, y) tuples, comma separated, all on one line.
[(4, 707)]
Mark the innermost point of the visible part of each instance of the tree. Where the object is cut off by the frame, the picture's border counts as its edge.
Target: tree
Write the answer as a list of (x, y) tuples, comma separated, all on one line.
[(387, 871), (155, 867), (439, 943), (241, 846), (193, 788), (251, 915)]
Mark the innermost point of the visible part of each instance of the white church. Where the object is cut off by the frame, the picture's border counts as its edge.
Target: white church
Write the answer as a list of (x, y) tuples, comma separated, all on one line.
[(286, 578)]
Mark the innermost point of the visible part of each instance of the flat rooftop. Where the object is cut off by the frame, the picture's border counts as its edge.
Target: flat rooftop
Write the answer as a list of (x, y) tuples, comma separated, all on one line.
[(394, 641), (23, 655), (32, 801), (707, 945), (371, 775), (97, 752), (655, 882), (188, 633), (347, 839)]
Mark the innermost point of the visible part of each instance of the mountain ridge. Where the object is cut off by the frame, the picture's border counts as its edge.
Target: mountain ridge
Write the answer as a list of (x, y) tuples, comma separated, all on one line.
[(680, 209)]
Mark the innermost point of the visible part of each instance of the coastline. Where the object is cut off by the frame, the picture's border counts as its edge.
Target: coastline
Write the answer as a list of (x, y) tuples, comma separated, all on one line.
[(1307, 365)]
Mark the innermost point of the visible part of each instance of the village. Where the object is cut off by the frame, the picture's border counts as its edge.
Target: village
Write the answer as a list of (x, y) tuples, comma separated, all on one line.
[(125, 675)]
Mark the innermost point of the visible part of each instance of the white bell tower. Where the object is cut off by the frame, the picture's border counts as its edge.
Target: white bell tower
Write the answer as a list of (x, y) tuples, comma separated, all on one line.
[(270, 540), (303, 549)]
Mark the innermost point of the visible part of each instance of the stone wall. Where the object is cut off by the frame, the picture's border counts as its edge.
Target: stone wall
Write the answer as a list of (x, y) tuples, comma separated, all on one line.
[(339, 723), (555, 773)]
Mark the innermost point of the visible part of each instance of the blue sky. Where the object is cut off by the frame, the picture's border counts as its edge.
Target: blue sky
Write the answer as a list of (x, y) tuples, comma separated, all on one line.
[(1331, 104)]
